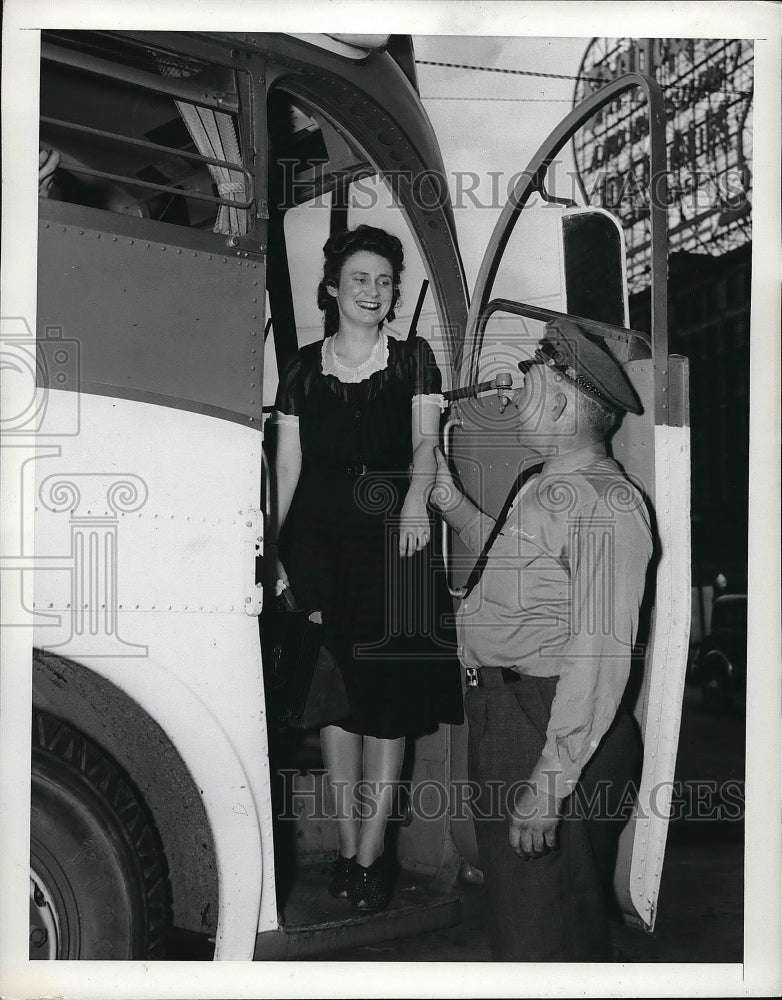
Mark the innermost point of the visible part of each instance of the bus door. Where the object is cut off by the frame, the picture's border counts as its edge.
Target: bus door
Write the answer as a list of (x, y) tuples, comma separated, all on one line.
[(552, 255), (148, 739)]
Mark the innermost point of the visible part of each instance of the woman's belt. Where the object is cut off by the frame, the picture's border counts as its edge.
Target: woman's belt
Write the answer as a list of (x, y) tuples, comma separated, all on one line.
[(359, 469)]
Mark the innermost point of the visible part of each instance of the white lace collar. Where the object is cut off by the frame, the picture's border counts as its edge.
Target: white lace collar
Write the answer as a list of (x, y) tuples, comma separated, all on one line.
[(376, 362)]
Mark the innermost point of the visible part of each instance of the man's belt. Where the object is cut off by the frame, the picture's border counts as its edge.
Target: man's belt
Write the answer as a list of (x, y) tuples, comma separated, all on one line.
[(490, 676)]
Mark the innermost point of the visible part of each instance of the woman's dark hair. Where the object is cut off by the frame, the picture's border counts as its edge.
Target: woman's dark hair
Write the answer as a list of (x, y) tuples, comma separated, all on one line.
[(336, 251)]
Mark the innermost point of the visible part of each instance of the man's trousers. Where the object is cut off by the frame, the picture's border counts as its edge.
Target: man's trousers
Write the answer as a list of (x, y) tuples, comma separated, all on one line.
[(555, 908)]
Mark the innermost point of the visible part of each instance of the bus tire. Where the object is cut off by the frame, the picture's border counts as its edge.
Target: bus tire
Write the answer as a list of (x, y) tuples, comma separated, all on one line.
[(98, 888)]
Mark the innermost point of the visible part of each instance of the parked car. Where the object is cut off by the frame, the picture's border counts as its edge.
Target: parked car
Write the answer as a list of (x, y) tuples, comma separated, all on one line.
[(720, 665)]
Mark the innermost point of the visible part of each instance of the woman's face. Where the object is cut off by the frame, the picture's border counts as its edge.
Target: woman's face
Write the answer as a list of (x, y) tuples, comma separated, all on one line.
[(366, 289)]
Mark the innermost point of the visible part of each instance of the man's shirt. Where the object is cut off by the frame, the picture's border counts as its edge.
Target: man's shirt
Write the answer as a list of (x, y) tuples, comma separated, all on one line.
[(560, 596)]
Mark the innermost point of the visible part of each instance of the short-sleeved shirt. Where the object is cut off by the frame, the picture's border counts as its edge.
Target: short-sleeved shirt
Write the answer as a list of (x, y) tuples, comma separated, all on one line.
[(560, 596)]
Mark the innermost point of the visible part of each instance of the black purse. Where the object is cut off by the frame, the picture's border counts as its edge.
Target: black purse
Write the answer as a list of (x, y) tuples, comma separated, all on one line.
[(305, 688)]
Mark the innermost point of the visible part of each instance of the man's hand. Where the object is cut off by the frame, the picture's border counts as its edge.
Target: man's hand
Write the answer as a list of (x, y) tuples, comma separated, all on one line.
[(48, 161), (533, 825), (445, 493)]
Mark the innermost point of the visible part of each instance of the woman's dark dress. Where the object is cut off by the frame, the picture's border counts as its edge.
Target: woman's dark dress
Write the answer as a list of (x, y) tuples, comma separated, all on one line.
[(386, 618)]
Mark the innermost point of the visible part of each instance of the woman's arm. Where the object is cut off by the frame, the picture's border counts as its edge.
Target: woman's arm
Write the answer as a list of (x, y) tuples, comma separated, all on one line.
[(287, 469), (415, 529)]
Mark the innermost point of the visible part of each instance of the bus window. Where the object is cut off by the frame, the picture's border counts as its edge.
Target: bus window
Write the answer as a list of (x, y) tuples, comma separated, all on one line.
[(594, 266), (135, 126), (371, 201), (530, 269), (306, 230), (321, 182), (307, 226)]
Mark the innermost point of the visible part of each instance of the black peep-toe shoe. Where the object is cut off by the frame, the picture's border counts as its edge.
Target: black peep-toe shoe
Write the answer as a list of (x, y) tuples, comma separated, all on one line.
[(371, 888), (341, 877)]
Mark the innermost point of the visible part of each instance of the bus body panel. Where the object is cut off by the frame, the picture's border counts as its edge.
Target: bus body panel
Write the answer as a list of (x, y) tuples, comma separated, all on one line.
[(164, 534), (154, 319)]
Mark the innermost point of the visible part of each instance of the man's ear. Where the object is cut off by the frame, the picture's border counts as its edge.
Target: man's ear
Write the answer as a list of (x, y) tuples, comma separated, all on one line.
[(558, 405)]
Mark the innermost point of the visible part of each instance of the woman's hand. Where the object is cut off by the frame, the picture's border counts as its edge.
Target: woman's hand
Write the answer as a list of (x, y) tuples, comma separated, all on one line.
[(275, 578), (414, 530)]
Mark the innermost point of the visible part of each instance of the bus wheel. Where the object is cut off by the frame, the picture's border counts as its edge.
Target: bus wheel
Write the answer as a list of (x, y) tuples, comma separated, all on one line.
[(98, 888)]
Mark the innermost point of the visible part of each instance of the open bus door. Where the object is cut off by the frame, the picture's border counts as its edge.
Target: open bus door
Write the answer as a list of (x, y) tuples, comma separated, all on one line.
[(549, 255)]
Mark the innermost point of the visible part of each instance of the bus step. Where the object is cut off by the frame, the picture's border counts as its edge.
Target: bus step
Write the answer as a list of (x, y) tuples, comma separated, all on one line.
[(315, 924)]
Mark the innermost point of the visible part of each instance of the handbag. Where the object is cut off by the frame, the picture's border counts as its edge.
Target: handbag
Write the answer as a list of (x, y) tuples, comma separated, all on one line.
[(305, 686)]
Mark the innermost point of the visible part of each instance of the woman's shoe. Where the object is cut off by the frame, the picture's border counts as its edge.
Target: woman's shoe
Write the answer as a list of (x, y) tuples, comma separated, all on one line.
[(371, 888), (341, 877)]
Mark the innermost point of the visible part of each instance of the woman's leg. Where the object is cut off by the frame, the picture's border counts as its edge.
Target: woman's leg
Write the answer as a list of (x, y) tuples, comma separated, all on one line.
[(382, 765), (342, 756)]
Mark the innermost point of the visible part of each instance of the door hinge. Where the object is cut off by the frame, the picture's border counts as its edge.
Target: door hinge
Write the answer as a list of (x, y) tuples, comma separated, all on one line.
[(244, 246)]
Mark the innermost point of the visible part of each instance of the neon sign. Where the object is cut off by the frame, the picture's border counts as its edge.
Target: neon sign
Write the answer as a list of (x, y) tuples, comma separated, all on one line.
[(707, 84)]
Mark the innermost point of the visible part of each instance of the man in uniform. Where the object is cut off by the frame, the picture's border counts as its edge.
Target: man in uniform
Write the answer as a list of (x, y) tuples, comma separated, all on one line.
[(545, 637)]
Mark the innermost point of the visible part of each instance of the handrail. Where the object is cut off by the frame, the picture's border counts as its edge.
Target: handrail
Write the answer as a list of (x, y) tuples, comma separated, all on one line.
[(502, 381), (144, 144), (453, 591), (607, 331)]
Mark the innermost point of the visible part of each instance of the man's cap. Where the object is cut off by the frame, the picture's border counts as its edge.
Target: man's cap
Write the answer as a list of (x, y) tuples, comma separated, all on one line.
[(587, 364)]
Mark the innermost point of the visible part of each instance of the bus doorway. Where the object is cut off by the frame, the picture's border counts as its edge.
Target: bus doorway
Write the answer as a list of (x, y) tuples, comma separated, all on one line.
[(323, 180)]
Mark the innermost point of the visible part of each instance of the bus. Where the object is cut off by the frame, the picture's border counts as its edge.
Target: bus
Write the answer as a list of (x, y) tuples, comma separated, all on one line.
[(200, 174)]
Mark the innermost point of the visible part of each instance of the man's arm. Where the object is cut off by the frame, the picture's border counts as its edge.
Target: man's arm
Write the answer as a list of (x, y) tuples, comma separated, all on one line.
[(461, 514)]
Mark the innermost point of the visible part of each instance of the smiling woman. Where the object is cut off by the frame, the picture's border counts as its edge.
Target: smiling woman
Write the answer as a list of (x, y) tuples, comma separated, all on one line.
[(357, 418), (360, 286), (365, 290)]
